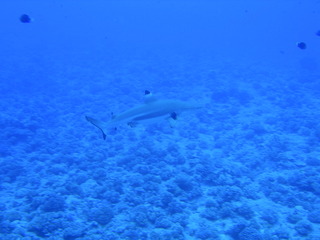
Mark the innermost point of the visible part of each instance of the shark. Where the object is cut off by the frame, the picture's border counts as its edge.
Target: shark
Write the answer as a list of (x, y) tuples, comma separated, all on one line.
[(151, 109)]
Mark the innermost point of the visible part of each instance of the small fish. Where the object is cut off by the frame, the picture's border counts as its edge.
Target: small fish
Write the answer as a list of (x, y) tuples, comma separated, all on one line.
[(302, 45), (24, 18), (318, 33), (151, 109)]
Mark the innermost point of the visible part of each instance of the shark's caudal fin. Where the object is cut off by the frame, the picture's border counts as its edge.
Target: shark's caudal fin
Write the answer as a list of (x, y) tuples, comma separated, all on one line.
[(98, 124)]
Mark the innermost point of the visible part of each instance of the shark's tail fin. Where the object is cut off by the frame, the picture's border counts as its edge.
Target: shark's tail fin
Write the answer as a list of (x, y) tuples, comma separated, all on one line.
[(98, 124)]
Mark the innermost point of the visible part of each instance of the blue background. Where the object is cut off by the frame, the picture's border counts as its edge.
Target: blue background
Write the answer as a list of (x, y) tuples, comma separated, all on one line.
[(244, 167)]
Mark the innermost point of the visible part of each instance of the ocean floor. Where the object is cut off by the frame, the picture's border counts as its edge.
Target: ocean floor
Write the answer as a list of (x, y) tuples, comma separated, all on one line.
[(246, 166)]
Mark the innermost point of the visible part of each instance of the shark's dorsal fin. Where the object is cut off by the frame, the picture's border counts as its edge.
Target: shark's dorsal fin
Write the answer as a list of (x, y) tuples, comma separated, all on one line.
[(149, 97), (147, 92)]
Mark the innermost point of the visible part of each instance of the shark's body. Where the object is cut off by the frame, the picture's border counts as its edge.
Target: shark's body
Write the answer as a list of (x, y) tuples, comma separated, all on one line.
[(151, 109)]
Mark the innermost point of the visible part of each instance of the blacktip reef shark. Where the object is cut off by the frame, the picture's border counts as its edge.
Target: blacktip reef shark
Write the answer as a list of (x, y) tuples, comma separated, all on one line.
[(152, 108)]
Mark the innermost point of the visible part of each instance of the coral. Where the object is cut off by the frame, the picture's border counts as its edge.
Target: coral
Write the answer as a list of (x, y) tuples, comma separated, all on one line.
[(11, 169), (81, 178), (251, 191), (46, 224), (101, 214), (269, 216), (163, 222), (175, 207), (227, 210), (229, 193), (281, 234), (195, 193), (177, 232), (166, 198), (133, 234), (294, 217), (235, 229), (314, 216), (6, 227), (184, 182), (210, 213), (53, 203), (303, 228), (140, 218), (181, 219), (211, 203), (13, 215), (133, 199), (250, 233), (154, 213), (112, 196), (74, 189), (245, 211), (306, 180), (243, 167), (74, 231), (206, 233)]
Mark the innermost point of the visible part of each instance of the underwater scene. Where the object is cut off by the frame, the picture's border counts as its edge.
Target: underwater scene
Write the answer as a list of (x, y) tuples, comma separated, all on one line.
[(160, 120)]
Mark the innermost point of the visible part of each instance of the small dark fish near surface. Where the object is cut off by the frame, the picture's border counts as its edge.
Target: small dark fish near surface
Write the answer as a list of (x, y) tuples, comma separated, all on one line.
[(24, 18), (318, 33), (302, 45)]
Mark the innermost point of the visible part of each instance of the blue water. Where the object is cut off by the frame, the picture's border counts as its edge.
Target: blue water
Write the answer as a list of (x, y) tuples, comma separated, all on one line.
[(245, 166)]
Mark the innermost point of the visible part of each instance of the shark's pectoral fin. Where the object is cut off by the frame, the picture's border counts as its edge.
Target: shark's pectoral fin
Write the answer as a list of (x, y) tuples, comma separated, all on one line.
[(174, 115), (172, 122), (98, 124), (172, 119)]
